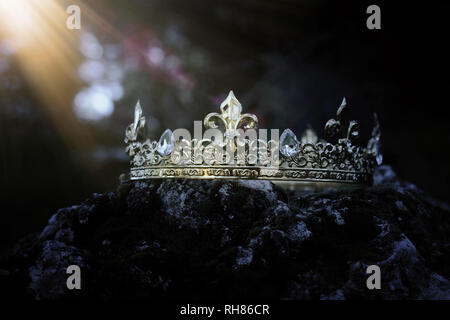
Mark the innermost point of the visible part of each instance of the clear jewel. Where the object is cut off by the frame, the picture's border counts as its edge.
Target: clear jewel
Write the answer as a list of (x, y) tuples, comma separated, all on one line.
[(289, 145), (166, 143)]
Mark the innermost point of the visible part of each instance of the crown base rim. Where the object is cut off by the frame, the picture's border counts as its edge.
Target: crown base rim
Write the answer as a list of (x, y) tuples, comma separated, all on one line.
[(281, 176)]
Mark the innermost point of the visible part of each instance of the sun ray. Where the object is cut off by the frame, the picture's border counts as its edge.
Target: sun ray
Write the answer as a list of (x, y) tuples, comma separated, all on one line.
[(48, 55)]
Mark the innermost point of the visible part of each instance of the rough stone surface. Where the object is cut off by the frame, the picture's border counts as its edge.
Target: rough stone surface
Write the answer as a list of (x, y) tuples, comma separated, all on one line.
[(239, 239)]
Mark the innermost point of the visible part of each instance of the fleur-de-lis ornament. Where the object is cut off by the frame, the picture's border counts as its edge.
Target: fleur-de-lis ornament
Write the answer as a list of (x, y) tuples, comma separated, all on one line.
[(342, 127), (373, 146), (135, 131), (231, 119), (132, 131)]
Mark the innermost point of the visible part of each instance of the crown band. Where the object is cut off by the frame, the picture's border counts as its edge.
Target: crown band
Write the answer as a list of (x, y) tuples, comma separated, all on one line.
[(228, 151)]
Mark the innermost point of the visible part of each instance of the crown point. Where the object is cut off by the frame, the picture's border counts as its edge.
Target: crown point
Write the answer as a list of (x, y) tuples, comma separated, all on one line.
[(230, 99), (342, 111), (138, 110), (132, 131), (231, 107)]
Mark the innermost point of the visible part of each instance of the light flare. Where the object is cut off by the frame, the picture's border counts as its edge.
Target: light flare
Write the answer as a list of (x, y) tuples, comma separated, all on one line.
[(47, 53)]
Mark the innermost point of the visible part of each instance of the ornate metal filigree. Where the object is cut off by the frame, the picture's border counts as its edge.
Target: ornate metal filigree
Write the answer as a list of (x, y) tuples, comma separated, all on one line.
[(231, 119), (309, 159)]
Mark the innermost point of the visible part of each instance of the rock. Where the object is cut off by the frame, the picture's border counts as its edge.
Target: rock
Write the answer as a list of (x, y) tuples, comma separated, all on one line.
[(239, 239)]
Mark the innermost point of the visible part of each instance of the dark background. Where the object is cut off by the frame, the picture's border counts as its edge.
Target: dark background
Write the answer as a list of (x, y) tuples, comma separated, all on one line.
[(289, 62)]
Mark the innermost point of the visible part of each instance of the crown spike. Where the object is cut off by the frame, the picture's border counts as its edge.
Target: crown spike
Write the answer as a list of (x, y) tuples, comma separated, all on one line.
[(137, 112), (234, 107), (132, 131), (341, 110)]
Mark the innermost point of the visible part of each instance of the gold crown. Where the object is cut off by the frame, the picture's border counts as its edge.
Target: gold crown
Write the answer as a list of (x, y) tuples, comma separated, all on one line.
[(231, 148)]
